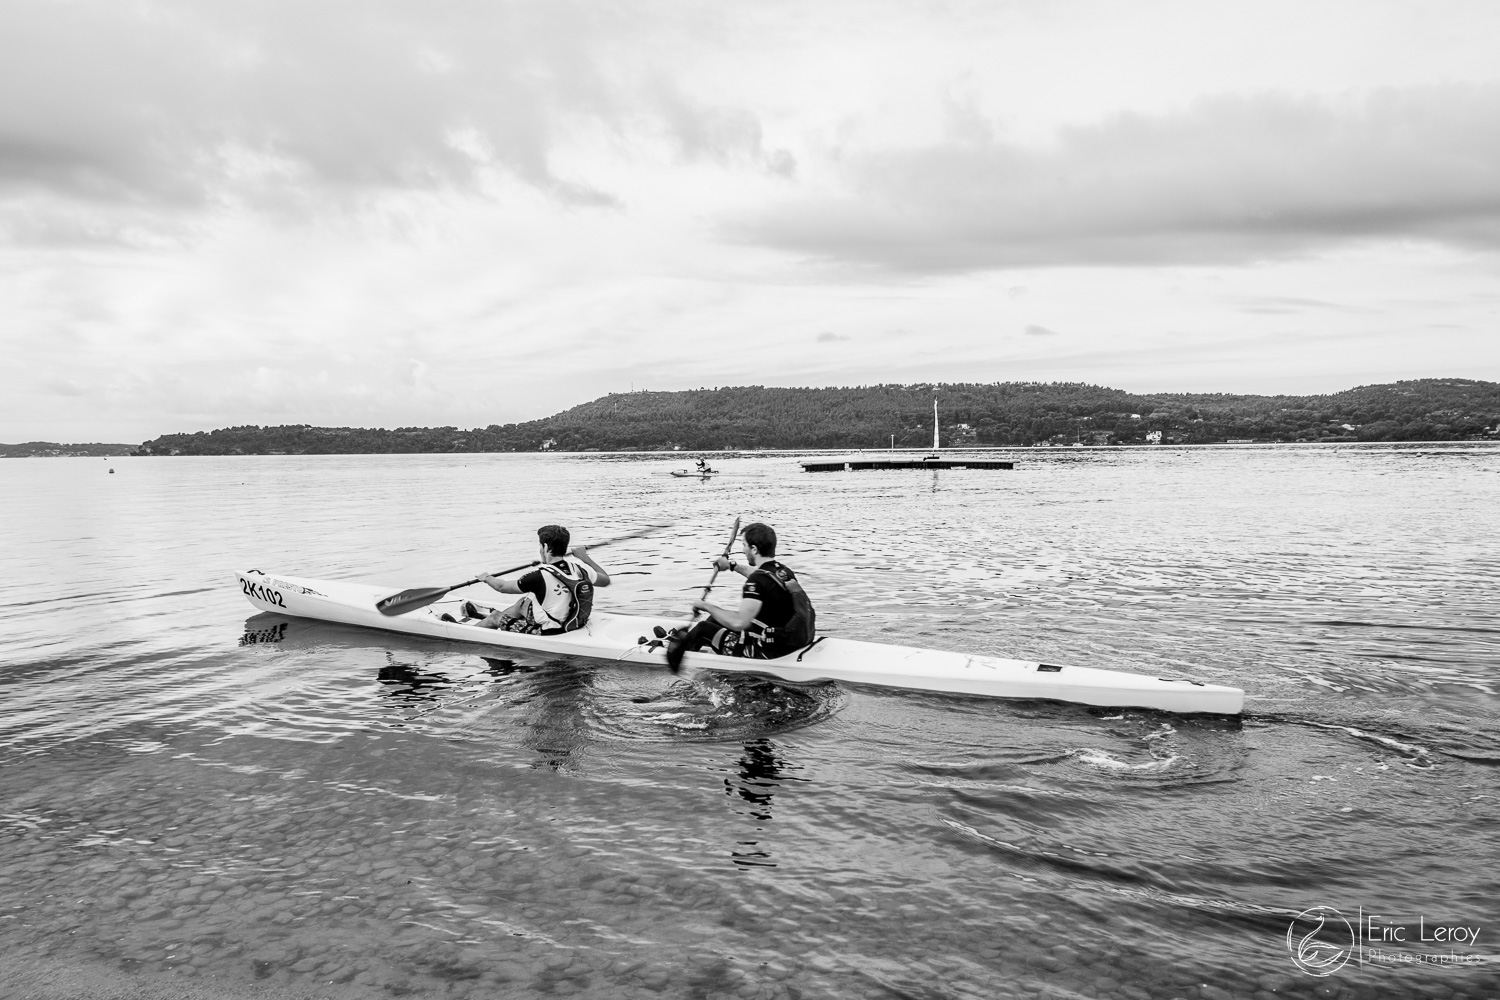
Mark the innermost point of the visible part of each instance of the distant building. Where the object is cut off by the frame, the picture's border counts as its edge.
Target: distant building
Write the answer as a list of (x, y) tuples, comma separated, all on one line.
[(1153, 437), (549, 444)]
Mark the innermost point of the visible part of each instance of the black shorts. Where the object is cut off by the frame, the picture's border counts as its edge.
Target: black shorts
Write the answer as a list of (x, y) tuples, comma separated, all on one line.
[(740, 644)]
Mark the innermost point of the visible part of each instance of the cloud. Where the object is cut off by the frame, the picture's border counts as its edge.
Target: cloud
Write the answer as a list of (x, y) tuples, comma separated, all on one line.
[(1228, 180), (182, 106), (1276, 305), (1032, 330), (199, 393), (723, 134), (828, 337)]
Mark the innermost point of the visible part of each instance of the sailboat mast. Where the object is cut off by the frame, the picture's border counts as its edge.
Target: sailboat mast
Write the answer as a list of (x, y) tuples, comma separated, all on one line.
[(934, 424)]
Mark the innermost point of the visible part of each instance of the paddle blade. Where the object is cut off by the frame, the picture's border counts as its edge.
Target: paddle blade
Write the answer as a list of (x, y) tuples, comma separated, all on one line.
[(410, 600)]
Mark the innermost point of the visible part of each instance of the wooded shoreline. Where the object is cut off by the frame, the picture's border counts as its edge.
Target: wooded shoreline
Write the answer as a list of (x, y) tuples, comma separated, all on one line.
[(1008, 414)]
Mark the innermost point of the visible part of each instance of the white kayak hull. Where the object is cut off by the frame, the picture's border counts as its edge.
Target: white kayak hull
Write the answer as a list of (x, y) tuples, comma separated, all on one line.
[(616, 637)]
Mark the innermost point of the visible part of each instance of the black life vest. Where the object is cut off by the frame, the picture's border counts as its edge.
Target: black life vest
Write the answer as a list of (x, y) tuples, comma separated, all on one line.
[(580, 591), (798, 630)]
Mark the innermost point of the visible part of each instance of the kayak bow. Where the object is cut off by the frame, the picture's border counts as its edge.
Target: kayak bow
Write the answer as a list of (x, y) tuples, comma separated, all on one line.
[(617, 637)]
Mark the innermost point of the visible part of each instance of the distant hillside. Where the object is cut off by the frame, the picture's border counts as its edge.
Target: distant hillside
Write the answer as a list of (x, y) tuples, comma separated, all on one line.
[(1001, 414), (51, 449)]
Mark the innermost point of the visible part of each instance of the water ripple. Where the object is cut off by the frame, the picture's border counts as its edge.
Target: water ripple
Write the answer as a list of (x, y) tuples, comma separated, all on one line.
[(188, 792)]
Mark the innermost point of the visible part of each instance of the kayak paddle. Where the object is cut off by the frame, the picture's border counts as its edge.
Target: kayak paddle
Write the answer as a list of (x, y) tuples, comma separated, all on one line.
[(676, 664), (420, 597), (734, 534)]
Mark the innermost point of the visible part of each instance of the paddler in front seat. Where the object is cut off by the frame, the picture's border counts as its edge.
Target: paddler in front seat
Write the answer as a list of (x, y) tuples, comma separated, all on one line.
[(557, 596), (774, 618)]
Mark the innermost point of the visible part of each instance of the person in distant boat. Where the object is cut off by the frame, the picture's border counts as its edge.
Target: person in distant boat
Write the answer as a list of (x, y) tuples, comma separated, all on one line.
[(703, 466), (774, 616), (557, 596)]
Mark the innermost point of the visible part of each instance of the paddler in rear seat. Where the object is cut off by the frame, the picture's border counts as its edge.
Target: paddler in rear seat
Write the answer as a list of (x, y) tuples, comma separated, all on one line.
[(774, 618), (557, 596)]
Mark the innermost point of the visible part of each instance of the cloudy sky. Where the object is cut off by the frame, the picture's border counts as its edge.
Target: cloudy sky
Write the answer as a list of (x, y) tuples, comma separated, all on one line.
[(465, 212)]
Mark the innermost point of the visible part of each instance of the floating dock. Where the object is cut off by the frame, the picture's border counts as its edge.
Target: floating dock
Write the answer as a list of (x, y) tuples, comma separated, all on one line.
[(858, 463), (932, 462)]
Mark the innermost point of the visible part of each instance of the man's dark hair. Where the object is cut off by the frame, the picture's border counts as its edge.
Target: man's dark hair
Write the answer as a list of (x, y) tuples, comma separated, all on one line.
[(763, 537), (556, 538)]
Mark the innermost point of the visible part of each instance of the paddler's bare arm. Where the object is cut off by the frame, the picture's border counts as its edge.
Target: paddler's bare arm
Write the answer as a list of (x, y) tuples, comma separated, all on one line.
[(499, 583), (737, 620), (724, 562), (582, 554), (749, 607)]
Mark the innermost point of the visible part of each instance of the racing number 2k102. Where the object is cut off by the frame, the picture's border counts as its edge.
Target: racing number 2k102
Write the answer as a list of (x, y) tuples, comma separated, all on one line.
[(262, 593)]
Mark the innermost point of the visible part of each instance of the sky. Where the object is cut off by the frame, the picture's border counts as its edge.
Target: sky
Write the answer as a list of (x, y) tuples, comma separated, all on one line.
[(465, 212)]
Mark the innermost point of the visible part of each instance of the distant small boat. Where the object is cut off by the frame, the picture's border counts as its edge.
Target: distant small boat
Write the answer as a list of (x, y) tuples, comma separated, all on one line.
[(694, 474)]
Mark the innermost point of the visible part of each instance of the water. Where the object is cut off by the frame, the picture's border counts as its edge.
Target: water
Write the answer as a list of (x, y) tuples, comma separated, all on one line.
[(199, 798)]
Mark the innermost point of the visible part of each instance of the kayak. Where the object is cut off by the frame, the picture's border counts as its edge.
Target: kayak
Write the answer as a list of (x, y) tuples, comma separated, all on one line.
[(694, 475), (629, 638)]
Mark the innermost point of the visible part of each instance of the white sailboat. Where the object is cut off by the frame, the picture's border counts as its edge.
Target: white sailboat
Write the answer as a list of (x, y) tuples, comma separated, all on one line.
[(935, 454)]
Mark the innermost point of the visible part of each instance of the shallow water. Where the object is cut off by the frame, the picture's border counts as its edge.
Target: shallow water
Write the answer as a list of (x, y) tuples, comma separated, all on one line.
[(191, 791)]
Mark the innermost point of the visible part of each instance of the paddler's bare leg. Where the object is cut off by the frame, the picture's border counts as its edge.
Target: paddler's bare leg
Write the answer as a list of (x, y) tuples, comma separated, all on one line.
[(516, 612)]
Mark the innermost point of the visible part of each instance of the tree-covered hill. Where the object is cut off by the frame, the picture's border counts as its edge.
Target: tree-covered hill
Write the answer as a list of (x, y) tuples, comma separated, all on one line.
[(52, 449), (999, 414)]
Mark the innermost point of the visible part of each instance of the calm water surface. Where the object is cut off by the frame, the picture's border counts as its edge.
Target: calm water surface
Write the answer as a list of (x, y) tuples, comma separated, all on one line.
[(194, 793)]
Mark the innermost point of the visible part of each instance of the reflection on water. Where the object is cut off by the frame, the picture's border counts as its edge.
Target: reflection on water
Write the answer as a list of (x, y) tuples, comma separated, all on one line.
[(501, 667), (556, 712), (761, 772), (193, 794), (409, 684), (272, 633)]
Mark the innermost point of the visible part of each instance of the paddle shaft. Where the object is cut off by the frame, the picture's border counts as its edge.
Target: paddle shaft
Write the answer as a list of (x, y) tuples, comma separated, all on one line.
[(675, 650), (503, 572), (727, 549), (538, 562), (420, 597)]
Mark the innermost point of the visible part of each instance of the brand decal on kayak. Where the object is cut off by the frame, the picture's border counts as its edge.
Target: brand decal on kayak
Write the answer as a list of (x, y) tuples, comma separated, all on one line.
[(264, 594), (284, 585), (292, 586)]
